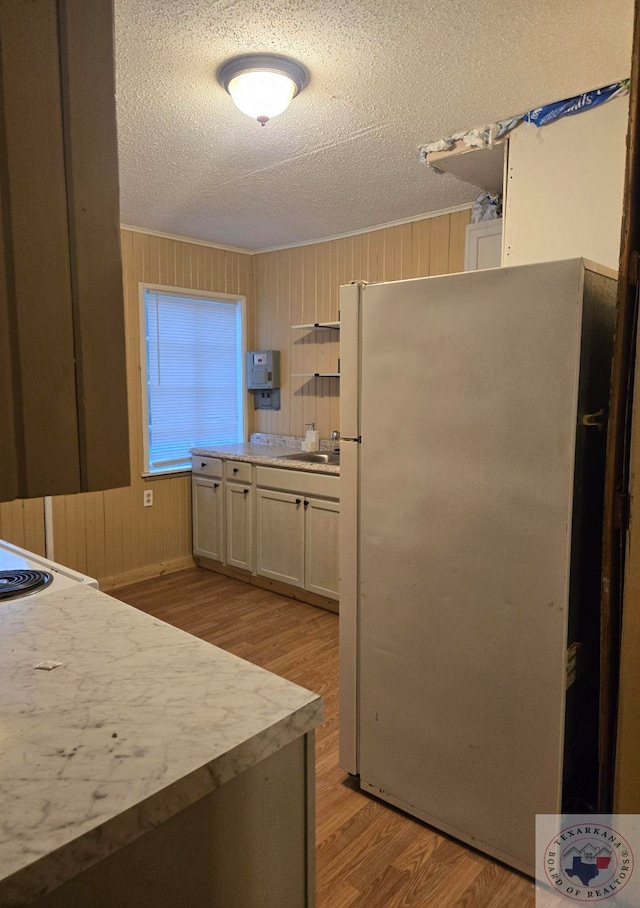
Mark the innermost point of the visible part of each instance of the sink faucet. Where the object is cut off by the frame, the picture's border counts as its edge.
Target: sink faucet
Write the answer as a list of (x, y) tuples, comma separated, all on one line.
[(335, 438)]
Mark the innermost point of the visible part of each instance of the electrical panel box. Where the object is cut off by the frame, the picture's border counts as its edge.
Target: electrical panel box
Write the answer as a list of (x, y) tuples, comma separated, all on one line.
[(266, 400), (263, 370)]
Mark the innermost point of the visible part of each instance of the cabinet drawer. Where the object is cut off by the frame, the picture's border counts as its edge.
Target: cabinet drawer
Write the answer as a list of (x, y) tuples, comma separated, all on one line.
[(321, 484), (237, 471), (207, 466)]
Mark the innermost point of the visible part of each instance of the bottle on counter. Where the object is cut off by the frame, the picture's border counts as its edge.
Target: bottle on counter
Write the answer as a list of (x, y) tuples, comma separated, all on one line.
[(311, 440)]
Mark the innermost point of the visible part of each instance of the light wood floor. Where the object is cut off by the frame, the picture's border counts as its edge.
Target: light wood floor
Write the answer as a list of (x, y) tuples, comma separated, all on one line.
[(368, 854)]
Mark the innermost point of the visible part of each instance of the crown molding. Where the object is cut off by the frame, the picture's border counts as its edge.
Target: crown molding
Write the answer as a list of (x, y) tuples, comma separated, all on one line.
[(341, 236), (187, 239), (322, 239)]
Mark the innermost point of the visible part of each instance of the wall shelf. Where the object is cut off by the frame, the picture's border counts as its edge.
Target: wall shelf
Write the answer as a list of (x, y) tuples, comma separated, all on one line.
[(319, 326), (482, 167)]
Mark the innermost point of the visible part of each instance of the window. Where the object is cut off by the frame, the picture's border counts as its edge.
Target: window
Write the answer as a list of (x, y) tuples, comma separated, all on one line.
[(192, 374)]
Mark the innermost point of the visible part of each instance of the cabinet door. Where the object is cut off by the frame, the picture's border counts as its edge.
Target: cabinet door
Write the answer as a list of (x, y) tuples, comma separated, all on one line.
[(63, 390), (280, 531), (36, 290), (483, 248), (239, 526), (321, 547), (208, 516)]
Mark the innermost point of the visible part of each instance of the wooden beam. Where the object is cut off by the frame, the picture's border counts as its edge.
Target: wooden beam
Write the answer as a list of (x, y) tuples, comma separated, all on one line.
[(11, 437), (618, 442)]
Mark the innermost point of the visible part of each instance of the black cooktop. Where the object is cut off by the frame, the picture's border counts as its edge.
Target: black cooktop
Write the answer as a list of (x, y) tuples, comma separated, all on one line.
[(21, 582)]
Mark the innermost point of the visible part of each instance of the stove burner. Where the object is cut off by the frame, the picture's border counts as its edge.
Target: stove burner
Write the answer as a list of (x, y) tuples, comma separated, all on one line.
[(20, 582)]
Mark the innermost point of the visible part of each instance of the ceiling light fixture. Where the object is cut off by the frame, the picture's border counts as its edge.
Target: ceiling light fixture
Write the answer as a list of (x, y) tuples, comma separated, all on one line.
[(262, 85)]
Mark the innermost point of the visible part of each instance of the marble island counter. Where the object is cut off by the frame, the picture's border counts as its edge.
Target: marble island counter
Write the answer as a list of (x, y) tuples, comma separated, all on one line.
[(149, 767)]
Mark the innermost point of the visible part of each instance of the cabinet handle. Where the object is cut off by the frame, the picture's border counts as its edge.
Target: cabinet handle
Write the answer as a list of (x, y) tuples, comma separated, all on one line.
[(298, 500), (235, 469), (306, 504), (245, 491), (215, 485), (202, 466)]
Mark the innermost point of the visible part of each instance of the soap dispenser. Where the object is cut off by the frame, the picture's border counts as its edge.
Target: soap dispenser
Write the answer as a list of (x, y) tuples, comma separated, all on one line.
[(311, 439)]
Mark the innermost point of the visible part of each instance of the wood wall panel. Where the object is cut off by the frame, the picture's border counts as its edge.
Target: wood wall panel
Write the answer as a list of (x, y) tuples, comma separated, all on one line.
[(110, 535), (22, 523), (301, 285)]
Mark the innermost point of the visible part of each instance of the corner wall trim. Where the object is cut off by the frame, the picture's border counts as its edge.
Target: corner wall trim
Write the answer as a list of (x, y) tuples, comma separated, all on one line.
[(49, 550)]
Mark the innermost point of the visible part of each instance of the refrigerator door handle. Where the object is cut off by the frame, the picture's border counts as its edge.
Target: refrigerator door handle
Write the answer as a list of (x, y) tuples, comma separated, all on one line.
[(349, 596), (350, 301)]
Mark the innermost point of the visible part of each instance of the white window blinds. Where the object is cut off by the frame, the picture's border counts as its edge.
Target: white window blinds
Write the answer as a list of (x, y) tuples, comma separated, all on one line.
[(194, 348)]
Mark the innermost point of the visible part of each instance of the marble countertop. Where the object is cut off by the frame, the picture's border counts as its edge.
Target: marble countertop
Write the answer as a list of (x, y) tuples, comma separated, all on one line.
[(138, 722), (265, 455)]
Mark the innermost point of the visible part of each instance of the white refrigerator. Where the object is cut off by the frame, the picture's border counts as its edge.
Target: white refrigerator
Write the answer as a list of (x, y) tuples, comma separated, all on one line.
[(473, 414)]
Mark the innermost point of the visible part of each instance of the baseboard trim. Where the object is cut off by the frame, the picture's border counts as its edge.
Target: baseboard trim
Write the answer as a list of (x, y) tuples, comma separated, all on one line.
[(282, 589), (146, 573)]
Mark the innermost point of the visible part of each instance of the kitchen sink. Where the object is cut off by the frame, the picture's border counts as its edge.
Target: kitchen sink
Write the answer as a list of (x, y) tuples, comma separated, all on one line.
[(327, 457)]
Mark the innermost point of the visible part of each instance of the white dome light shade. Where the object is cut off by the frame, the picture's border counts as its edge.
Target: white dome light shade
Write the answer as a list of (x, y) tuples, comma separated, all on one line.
[(262, 85), (262, 95)]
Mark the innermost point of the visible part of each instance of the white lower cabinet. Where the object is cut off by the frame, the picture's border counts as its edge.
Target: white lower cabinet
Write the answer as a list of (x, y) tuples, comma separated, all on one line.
[(321, 547), (281, 524), (208, 518), (223, 526), (240, 526), (281, 538), (297, 540)]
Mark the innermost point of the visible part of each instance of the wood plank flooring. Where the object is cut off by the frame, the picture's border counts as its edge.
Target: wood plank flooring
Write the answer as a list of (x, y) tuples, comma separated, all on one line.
[(369, 855)]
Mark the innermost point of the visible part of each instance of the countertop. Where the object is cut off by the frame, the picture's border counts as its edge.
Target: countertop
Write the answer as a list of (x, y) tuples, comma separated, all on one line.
[(265, 455), (140, 721)]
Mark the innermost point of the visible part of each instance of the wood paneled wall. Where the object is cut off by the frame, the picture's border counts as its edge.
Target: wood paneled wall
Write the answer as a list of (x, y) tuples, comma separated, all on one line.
[(110, 535), (301, 285), (22, 523)]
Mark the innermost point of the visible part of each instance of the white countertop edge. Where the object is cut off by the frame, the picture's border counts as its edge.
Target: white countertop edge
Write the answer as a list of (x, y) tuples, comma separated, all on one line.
[(87, 631), (275, 459), (52, 870)]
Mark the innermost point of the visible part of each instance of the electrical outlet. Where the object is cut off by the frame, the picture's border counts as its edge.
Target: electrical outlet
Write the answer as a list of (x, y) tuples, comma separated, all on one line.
[(147, 498)]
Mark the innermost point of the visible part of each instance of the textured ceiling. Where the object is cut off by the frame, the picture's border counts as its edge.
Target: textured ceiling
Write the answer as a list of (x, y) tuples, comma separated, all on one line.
[(386, 76)]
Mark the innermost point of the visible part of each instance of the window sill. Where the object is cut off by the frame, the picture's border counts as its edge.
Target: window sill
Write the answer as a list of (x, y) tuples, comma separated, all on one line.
[(169, 474)]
